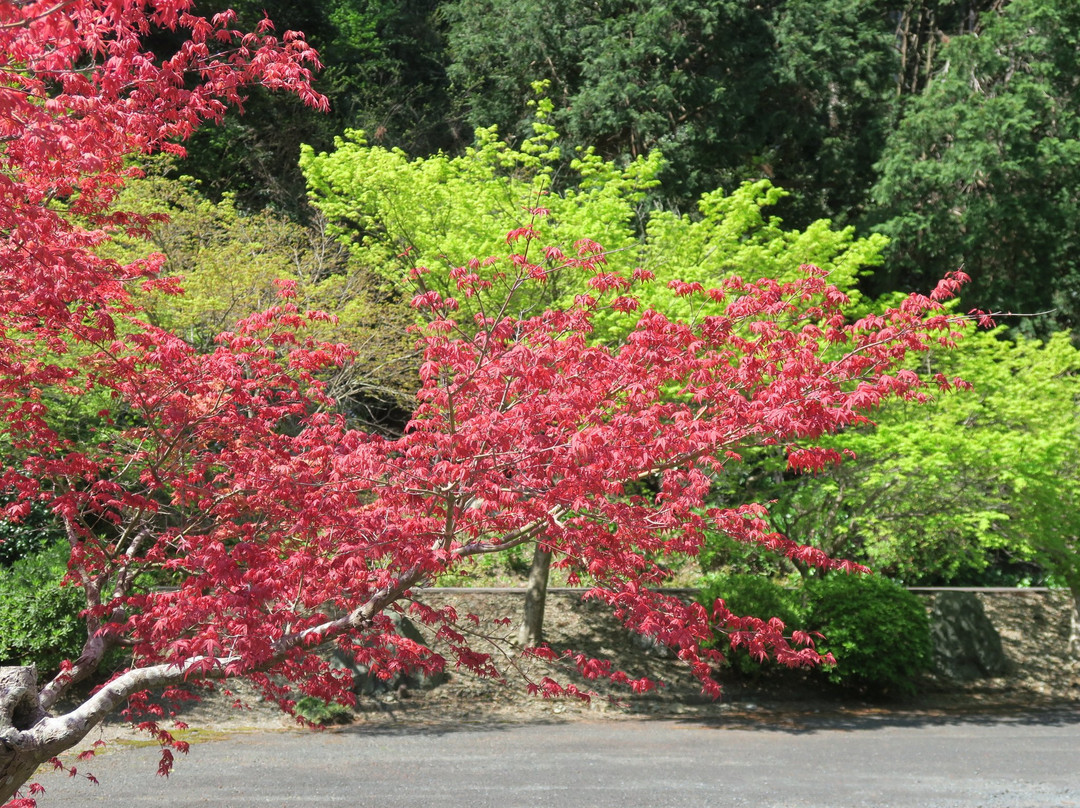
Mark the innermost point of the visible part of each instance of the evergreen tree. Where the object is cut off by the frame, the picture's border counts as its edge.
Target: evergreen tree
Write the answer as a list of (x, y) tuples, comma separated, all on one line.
[(984, 169)]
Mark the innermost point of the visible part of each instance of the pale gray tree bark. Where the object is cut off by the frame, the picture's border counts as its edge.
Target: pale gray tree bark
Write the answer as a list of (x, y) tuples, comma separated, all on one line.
[(30, 735)]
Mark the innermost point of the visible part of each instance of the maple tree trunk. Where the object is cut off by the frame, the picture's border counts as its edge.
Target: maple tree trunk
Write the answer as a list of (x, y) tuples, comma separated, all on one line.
[(532, 623), (19, 711), (15, 769)]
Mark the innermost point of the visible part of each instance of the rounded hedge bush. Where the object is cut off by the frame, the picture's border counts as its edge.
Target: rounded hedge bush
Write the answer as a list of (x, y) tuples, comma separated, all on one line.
[(878, 632), (748, 594)]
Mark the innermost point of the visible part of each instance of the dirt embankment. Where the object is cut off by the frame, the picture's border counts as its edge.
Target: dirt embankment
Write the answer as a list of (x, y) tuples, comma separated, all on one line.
[(1033, 627)]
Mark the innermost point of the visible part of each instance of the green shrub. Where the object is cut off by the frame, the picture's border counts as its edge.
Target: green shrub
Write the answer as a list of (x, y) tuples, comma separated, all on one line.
[(39, 618), (318, 711), (754, 595), (878, 632)]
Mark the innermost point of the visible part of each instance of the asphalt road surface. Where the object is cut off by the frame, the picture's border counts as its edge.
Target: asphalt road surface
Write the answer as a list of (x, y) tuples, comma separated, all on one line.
[(1003, 762)]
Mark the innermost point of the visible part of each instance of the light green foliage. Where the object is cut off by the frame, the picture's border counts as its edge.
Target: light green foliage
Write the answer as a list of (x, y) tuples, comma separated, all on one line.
[(878, 632), (442, 211), (993, 467), (983, 168), (734, 235), (1025, 415), (39, 619), (229, 261)]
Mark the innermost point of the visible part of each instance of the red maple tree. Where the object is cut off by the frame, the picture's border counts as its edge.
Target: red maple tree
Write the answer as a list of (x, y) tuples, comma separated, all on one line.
[(239, 524)]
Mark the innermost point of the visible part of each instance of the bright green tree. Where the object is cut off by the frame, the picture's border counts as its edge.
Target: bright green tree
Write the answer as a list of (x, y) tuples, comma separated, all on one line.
[(399, 213), (1029, 415), (441, 211)]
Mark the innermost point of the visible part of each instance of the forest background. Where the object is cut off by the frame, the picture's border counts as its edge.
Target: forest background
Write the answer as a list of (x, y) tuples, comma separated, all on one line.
[(888, 142)]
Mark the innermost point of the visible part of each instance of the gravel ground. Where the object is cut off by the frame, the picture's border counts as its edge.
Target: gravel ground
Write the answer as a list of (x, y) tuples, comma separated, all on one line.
[(819, 762)]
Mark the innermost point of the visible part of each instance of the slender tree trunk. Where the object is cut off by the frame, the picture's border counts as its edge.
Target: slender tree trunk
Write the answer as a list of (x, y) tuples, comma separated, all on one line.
[(1074, 625), (532, 625)]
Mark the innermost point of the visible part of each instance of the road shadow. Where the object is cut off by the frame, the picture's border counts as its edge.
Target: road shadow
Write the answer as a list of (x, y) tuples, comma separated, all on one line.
[(785, 718), (864, 719), (437, 727)]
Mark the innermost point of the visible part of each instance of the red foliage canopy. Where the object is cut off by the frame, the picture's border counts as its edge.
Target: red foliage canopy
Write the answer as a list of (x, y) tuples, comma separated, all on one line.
[(239, 522), (79, 95)]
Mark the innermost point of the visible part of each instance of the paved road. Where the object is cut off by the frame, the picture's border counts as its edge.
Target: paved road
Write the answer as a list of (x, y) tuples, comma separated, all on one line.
[(886, 761)]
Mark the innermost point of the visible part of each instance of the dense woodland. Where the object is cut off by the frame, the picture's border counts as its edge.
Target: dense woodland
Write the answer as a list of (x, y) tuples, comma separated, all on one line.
[(947, 126), (886, 142)]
